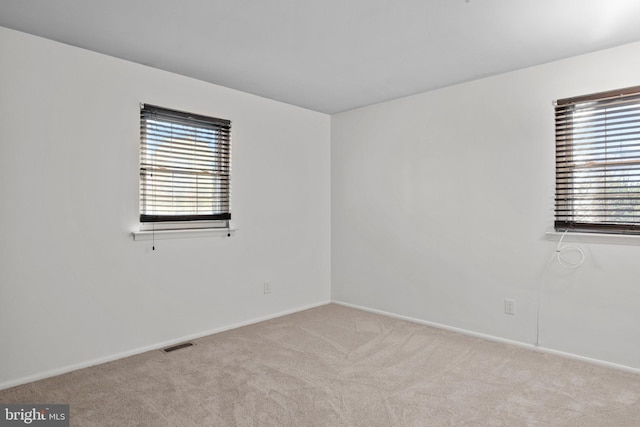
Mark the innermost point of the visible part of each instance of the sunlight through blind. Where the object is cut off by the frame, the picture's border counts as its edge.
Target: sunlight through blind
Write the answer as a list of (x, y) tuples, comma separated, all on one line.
[(598, 162), (184, 166)]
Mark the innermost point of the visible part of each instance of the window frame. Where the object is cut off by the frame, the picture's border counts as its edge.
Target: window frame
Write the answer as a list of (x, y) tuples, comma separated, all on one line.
[(156, 215)]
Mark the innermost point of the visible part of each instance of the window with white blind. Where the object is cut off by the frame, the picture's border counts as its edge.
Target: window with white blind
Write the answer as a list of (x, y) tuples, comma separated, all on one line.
[(598, 162), (185, 162)]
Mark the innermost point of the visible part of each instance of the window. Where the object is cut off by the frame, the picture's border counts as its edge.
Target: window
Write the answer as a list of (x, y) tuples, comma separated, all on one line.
[(184, 170), (598, 162)]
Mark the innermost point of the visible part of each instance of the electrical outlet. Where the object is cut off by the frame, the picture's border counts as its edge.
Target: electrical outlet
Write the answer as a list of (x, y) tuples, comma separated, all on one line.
[(267, 287), (509, 306)]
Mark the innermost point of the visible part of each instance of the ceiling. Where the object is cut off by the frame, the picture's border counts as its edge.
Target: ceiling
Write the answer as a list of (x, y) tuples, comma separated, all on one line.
[(332, 55)]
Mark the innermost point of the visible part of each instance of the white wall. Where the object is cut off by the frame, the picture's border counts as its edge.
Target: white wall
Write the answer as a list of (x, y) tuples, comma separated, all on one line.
[(440, 202), (74, 286)]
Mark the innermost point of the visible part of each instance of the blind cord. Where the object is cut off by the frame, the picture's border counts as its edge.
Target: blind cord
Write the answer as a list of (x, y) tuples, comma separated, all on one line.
[(540, 295), (564, 262), (153, 237)]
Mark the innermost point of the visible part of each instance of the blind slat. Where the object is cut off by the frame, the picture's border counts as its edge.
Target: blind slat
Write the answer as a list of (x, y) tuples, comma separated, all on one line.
[(598, 162), (185, 162)]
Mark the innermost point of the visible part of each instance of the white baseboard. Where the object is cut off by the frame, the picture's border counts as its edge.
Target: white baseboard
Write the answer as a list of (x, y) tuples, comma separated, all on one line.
[(494, 338), (157, 346)]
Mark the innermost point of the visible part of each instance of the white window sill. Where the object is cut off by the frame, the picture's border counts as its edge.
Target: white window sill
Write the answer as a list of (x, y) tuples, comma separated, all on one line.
[(612, 239), (183, 234)]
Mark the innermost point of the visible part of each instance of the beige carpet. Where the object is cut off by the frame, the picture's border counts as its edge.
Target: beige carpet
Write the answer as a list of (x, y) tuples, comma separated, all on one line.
[(336, 366)]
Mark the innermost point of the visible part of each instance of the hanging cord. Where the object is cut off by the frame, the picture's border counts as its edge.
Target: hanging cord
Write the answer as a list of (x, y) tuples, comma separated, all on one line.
[(153, 237), (540, 295), (562, 260)]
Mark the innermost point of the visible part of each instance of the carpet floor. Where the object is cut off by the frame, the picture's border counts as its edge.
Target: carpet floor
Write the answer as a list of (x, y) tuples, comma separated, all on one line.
[(337, 366)]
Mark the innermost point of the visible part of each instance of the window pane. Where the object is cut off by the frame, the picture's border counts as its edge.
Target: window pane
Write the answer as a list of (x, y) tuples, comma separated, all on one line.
[(598, 163), (184, 166)]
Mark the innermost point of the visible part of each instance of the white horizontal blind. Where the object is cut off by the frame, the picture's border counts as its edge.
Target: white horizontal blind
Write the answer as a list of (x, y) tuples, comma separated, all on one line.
[(185, 164), (598, 162)]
